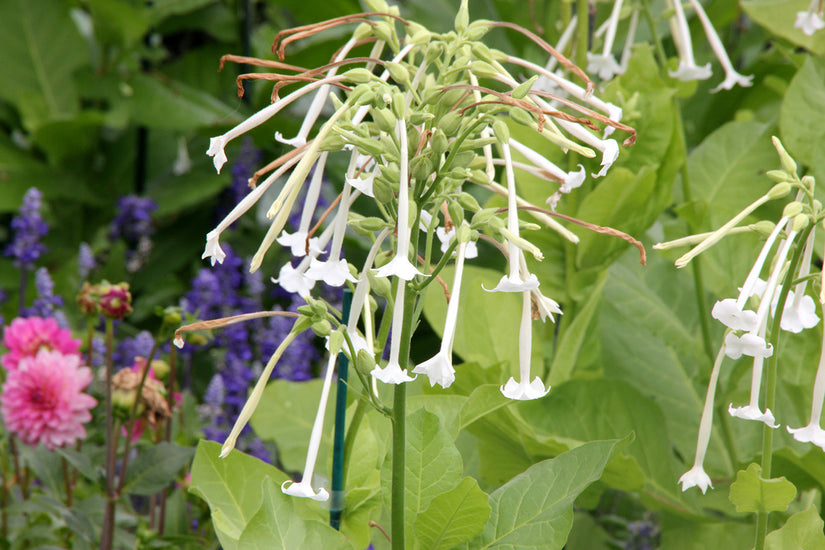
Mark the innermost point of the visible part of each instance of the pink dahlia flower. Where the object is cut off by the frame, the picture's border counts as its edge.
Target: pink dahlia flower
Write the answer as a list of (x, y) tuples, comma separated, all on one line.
[(43, 399), (26, 336)]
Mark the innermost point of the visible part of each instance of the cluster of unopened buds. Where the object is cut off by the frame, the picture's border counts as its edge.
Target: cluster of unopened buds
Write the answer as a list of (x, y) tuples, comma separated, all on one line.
[(418, 125), (789, 243)]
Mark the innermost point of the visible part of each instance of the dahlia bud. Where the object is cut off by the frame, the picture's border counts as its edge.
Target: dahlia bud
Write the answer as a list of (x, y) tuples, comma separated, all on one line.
[(89, 299), (115, 300)]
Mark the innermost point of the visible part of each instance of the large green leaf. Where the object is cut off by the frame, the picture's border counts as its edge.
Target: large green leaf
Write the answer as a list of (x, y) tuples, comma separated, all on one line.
[(589, 410), (40, 48), (753, 493), (779, 16), (453, 518), (535, 508), (802, 118), (285, 415), (802, 530), (679, 533), (155, 468), (276, 526)]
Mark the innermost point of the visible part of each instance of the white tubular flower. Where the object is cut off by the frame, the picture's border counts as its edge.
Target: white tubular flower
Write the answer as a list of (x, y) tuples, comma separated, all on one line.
[(297, 242), (304, 488), (400, 265), (753, 284), (439, 369), (688, 70), (294, 280), (813, 433), (543, 305), (748, 344), (213, 249), (317, 104), (605, 64), (364, 184), (524, 389), (810, 21), (627, 50), (800, 311), (729, 314), (570, 180), (393, 373), (696, 476), (254, 396), (732, 77), (751, 411), (513, 282), (335, 270), (608, 147)]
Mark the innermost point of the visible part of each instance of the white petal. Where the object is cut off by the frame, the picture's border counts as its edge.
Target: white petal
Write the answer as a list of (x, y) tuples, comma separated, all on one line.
[(216, 145), (796, 318), (696, 477), (297, 242), (439, 370), (749, 412), (811, 433), (297, 141), (305, 490), (609, 155), (546, 306), (726, 312), (399, 266), (809, 22), (332, 272), (392, 374), (732, 78), (748, 344), (294, 280), (514, 284), (603, 65), (524, 391), (213, 249), (687, 72), (574, 180)]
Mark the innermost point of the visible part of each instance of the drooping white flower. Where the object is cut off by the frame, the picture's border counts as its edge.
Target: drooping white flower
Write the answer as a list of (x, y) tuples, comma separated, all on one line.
[(400, 265), (524, 388), (732, 77), (810, 21), (297, 242), (446, 237), (751, 411), (696, 476), (688, 70), (748, 344), (604, 64), (800, 310), (439, 369), (728, 313), (304, 487), (393, 373), (813, 432), (294, 280), (570, 180)]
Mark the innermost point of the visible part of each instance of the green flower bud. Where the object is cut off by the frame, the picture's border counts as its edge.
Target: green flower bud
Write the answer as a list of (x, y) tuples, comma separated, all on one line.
[(763, 227), (418, 118), (322, 328), (521, 91), (389, 146), (462, 18), (450, 98), (464, 234), (792, 209), (456, 212), (381, 286), (382, 190), (800, 222), (438, 142), (464, 159), (362, 31), (779, 190), (483, 69), (301, 324), (384, 119), (359, 76), (364, 362), (377, 6), (336, 341), (479, 177), (450, 122), (479, 49), (366, 226), (501, 131), (385, 31), (787, 161), (468, 202), (390, 172), (778, 175), (809, 183), (483, 216), (333, 143), (421, 167), (398, 72), (522, 117)]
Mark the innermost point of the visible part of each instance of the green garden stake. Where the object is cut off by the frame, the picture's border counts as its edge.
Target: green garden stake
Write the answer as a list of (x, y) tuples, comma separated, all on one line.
[(336, 506)]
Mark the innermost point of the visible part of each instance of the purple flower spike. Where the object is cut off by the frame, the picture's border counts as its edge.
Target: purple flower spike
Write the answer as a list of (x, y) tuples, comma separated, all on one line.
[(28, 228)]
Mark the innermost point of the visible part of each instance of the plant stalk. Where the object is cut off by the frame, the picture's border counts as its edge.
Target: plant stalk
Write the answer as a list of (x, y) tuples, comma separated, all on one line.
[(107, 531)]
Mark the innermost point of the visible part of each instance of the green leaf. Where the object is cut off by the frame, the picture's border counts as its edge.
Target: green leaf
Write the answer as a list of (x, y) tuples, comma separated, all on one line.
[(453, 518), (751, 493), (40, 48), (802, 118), (535, 508), (679, 533), (433, 463), (779, 16), (118, 22), (588, 410), (480, 337), (803, 530), (82, 463), (276, 526), (484, 400), (232, 488), (155, 468), (286, 414)]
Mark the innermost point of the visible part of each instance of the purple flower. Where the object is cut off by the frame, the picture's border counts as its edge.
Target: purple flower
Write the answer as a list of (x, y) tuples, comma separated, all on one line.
[(46, 304), (249, 158), (133, 219), (28, 228), (128, 349), (85, 260)]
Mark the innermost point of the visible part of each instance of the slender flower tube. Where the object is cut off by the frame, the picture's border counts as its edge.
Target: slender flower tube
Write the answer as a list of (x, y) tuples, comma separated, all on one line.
[(810, 21), (732, 77), (605, 64), (628, 48), (688, 70), (304, 487), (813, 433), (608, 147), (297, 242), (570, 180), (696, 476), (255, 396), (393, 373), (218, 144), (317, 104), (561, 45), (400, 265), (213, 249), (544, 306), (439, 369), (751, 411), (732, 313), (800, 310), (513, 282), (524, 389), (359, 298)]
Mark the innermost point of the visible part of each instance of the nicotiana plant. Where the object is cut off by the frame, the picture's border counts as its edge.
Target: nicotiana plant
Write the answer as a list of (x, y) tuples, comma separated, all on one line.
[(424, 121), (781, 304)]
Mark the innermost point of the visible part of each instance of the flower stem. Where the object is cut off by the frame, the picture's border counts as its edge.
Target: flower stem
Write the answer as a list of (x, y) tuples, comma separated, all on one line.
[(770, 388), (583, 31), (399, 419), (107, 532)]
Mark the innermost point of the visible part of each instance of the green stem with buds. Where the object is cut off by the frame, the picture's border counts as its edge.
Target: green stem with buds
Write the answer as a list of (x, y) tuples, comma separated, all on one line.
[(770, 389)]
